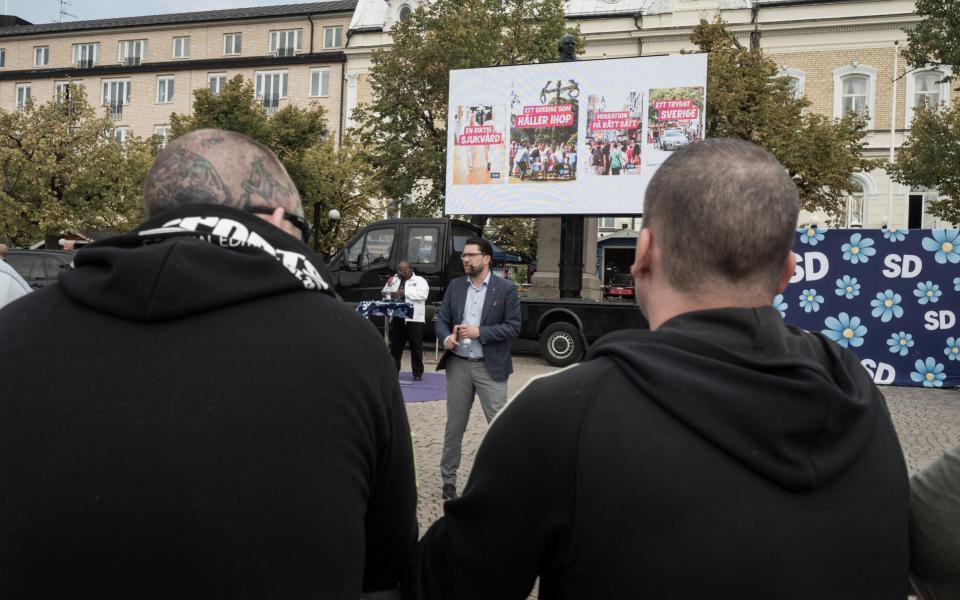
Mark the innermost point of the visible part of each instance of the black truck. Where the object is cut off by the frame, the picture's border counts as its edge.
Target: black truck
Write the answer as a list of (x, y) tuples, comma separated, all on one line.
[(563, 327)]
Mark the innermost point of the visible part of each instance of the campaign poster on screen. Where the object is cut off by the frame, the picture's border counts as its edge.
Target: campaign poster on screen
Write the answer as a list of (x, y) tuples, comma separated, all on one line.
[(674, 121), (479, 142), (543, 134), (614, 134), (568, 138)]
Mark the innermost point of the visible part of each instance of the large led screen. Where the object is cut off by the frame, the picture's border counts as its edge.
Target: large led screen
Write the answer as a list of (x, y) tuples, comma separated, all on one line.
[(568, 138)]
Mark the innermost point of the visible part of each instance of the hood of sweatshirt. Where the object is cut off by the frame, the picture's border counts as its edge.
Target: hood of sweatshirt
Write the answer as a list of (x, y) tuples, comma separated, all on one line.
[(793, 406), (190, 260)]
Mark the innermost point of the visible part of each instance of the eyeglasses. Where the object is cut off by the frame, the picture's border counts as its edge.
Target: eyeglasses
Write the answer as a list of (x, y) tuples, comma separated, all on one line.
[(469, 255), (298, 221)]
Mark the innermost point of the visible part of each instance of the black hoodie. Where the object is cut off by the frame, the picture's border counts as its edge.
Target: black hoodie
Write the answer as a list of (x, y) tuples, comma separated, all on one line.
[(191, 413), (724, 455)]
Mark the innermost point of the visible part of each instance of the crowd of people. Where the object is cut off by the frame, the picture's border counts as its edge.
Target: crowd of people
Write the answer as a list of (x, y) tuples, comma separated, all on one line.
[(614, 158), (226, 427), (543, 161)]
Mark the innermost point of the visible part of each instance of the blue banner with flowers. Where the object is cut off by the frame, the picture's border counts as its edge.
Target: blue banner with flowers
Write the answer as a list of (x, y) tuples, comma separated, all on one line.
[(890, 295)]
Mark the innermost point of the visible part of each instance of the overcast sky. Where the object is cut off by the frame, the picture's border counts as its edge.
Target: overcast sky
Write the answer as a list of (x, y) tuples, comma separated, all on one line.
[(46, 11)]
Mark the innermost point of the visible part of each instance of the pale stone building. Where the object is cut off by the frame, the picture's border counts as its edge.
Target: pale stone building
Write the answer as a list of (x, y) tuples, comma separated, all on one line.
[(142, 69)]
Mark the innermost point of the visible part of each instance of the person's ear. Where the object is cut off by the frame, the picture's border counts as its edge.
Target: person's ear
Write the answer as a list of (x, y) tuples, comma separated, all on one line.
[(276, 217), (789, 267), (641, 263)]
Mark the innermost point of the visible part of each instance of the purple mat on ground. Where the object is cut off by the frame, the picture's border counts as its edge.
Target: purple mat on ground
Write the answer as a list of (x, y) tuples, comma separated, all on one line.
[(433, 386)]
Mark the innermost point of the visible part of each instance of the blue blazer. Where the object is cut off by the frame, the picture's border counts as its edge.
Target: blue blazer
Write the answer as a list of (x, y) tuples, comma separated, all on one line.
[(499, 322)]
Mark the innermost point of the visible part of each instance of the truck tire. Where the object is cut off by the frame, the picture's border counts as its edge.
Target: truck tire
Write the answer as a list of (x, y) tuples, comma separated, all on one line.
[(561, 344)]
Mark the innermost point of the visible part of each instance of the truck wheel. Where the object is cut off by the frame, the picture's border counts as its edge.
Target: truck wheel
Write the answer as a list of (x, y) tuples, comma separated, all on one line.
[(561, 344)]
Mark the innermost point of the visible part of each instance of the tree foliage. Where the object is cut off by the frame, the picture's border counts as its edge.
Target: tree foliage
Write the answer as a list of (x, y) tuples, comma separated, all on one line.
[(747, 99), (61, 170), (931, 157), (327, 177), (936, 38), (405, 126), (344, 178), (517, 235)]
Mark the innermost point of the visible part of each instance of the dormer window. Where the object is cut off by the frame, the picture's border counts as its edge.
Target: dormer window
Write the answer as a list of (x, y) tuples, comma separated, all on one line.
[(287, 42)]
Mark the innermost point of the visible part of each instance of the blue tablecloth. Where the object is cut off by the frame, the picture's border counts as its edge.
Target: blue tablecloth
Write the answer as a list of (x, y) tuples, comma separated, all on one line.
[(379, 308)]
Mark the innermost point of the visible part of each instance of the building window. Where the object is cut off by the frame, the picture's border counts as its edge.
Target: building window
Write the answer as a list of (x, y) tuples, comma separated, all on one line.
[(796, 80), (85, 56), (116, 95), (164, 89), (853, 95), (181, 47), (854, 89), (41, 56), (133, 52), (332, 37), (61, 89), (120, 134), (319, 82), (858, 201), (216, 81), (3, 58), (285, 43), (404, 13), (608, 223), (925, 90), (163, 134), (271, 87), (23, 94), (231, 43)]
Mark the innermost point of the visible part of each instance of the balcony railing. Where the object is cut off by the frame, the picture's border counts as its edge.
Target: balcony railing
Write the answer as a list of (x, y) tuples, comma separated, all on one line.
[(270, 104), (115, 111), (132, 61)]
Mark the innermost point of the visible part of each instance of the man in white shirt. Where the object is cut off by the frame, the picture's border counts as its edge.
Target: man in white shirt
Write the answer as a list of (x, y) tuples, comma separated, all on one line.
[(12, 285), (414, 291)]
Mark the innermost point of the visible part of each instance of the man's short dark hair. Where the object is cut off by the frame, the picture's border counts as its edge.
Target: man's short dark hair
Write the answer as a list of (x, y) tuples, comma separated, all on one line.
[(485, 248), (722, 210)]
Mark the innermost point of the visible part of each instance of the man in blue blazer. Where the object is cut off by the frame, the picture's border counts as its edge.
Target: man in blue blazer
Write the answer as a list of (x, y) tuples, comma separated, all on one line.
[(479, 316)]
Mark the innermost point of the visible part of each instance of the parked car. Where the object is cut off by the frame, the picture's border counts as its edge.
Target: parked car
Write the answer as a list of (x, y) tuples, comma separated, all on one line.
[(674, 139), (39, 267), (619, 288)]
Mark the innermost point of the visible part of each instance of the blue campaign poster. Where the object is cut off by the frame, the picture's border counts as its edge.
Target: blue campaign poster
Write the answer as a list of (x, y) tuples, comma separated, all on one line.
[(890, 295)]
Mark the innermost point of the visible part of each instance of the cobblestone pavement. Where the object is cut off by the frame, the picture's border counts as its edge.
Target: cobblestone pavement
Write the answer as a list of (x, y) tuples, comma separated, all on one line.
[(927, 421)]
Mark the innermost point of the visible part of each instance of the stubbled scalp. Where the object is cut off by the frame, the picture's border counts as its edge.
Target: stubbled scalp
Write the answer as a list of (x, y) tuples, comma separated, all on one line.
[(726, 209), (211, 166)]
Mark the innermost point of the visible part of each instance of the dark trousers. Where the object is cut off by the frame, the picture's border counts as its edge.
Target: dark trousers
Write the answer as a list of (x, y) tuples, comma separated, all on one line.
[(402, 332)]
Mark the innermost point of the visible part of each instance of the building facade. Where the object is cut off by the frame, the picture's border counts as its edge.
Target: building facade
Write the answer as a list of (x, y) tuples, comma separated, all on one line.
[(140, 70)]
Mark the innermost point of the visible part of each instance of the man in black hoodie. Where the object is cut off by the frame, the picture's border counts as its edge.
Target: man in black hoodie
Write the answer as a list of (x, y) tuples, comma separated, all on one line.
[(224, 426), (721, 454)]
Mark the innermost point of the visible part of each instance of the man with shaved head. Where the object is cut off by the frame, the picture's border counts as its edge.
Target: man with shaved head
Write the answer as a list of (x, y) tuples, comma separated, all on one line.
[(721, 454), (225, 427)]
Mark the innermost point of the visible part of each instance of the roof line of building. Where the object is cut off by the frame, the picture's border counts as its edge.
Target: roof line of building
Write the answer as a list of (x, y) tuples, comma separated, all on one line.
[(181, 65), (232, 14)]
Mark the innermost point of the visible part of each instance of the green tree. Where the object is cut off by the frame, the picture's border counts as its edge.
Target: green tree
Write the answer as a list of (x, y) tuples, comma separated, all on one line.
[(517, 235), (405, 126), (748, 100), (61, 170), (931, 157), (340, 179), (936, 38)]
